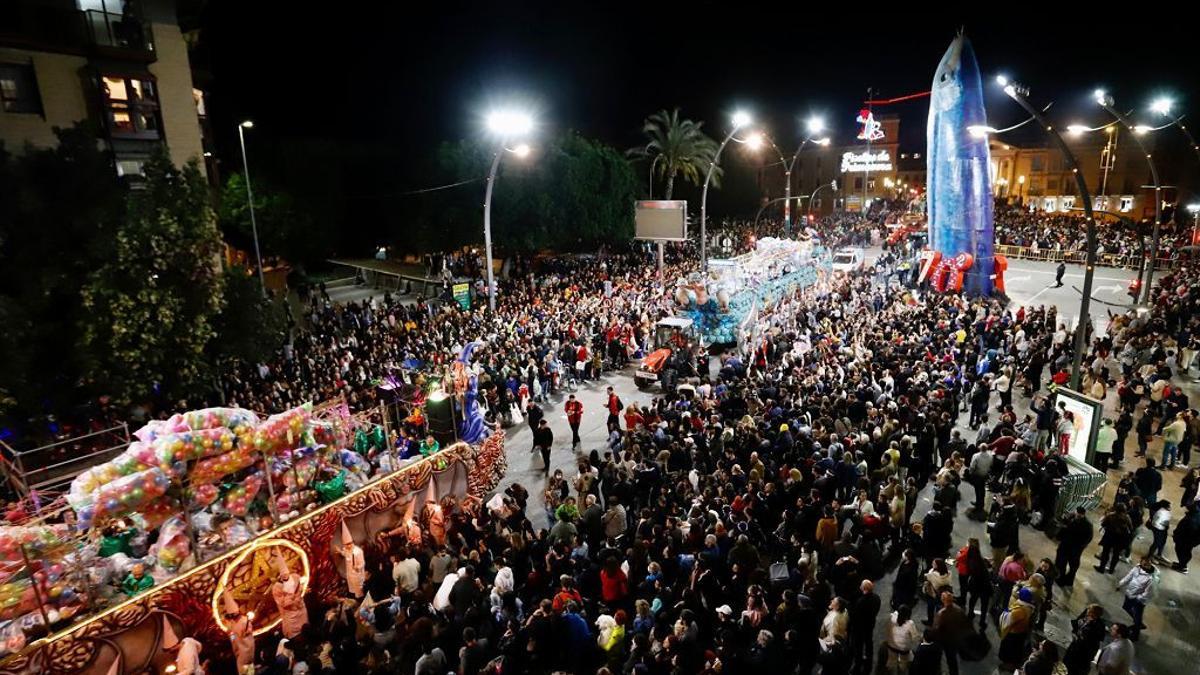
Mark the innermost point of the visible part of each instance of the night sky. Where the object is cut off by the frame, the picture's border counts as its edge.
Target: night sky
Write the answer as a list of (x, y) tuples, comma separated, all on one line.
[(395, 79)]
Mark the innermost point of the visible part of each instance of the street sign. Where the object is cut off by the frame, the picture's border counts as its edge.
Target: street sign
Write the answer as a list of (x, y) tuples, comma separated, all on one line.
[(660, 220), (462, 295)]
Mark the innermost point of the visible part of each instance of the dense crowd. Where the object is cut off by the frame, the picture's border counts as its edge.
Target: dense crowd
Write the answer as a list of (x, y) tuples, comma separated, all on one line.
[(740, 522), (1042, 231)]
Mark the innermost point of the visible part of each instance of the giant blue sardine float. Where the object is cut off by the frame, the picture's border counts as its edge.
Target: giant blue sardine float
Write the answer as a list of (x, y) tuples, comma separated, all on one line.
[(959, 182)]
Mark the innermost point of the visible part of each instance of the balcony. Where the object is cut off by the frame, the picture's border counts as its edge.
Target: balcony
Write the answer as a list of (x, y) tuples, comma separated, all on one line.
[(54, 27)]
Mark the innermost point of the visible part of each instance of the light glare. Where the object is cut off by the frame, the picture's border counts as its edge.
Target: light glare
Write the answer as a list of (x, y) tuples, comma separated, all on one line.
[(754, 141), (741, 118), (247, 124), (509, 123), (522, 150), (1002, 80), (816, 125), (1161, 105), (1077, 129)]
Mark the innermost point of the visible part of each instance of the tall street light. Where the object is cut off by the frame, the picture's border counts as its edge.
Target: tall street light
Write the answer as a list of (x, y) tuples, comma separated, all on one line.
[(505, 125), (1106, 101), (247, 124), (1018, 93), (1162, 106), (815, 126), (832, 185), (740, 119)]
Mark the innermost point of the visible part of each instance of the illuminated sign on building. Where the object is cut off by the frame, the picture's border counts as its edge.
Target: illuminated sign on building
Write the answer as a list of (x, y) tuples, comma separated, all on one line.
[(871, 130), (879, 160)]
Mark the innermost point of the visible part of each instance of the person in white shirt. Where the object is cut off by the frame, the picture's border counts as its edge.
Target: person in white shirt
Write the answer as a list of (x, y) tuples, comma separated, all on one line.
[(902, 637)]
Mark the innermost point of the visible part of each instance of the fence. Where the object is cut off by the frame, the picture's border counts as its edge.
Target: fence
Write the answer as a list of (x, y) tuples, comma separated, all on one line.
[(1127, 261)]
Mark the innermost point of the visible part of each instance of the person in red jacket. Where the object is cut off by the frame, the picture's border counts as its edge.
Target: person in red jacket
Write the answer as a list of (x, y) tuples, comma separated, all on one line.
[(574, 410), (614, 406), (614, 585)]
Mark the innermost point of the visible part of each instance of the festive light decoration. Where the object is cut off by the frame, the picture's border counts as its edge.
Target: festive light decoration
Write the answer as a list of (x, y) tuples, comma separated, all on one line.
[(871, 130), (261, 575)]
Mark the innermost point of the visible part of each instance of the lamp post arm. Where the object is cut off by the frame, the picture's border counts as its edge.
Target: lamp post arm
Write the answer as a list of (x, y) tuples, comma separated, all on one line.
[(1090, 261)]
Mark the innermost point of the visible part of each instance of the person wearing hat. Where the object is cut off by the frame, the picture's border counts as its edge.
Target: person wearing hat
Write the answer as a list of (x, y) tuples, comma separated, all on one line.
[(1016, 623)]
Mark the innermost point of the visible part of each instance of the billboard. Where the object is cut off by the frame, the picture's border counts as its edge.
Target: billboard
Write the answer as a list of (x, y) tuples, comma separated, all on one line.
[(1086, 413), (660, 220)]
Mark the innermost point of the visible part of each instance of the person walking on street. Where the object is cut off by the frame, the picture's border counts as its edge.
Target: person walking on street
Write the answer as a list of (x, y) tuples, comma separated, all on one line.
[(1160, 523), (1105, 439), (543, 440), (1118, 530), (1149, 481), (1186, 536), (1074, 537), (614, 407), (1139, 589), (951, 628), (574, 410), (1058, 274)]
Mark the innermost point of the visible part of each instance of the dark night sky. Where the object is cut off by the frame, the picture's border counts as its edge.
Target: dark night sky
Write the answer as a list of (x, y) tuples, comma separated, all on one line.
[(400, 77)]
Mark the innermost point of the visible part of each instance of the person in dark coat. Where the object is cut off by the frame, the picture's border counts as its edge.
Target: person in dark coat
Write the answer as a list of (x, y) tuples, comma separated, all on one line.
[(927, 657), (863, 613), (1074, 537), (543, 440), (951, 628), (1088, 631)]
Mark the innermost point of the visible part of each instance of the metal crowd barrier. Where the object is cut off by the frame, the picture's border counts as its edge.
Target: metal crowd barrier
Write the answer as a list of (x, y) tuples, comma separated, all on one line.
[(1128, 261)]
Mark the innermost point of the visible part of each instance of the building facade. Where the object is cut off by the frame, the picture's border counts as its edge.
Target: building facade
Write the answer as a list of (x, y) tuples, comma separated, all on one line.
[(120, 66), (1113, 167)]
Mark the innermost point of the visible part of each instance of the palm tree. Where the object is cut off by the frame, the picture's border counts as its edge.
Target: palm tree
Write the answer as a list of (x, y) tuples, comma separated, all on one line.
[(676, 147)]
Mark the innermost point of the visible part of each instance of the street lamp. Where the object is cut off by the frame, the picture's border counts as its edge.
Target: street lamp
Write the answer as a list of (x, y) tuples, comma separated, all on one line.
[(832, 185), (248, 124), (1018, 93), (504, 124), (740, 119), (1104, 100), (815, 126)]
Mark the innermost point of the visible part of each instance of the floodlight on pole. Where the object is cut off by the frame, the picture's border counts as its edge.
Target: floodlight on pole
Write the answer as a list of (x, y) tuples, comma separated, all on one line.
[(815, 125), (1002, 80), (505, 124), (1106, 101), (741, 119), (242, 127), (1161, 105)]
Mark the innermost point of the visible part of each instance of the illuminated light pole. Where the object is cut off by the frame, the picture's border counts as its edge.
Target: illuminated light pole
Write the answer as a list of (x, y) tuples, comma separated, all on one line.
[(504, 125), (1106, 101), (1194, 209), (740, 119), (247, 124), (1018, 93), (1162, 106), (815, 126), (832, 185)]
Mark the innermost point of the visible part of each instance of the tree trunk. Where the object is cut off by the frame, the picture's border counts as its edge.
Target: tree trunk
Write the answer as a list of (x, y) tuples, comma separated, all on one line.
[(670, 186)]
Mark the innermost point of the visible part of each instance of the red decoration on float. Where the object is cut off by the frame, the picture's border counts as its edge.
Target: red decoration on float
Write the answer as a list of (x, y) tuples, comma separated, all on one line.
[(948, 276)]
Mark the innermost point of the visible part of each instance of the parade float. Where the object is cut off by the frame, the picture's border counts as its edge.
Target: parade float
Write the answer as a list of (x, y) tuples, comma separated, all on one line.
[(721, 302), (227, 498)]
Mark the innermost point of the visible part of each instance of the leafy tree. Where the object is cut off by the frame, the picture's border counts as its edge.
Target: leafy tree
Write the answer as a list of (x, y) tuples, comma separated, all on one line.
[(151, 305), (284, 230), (61, 205), (572, 193), (677, 147), (250, 327)]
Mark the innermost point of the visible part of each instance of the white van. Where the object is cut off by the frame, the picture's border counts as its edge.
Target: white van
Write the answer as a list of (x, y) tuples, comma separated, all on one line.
[(846, 260)]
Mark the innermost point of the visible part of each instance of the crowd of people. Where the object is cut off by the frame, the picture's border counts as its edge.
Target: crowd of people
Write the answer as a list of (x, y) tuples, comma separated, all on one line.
[(742, 523), (1047, 231)]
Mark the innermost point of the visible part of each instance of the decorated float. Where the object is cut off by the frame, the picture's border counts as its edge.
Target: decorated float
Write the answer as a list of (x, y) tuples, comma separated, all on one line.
[(720, 303), (202, 511)]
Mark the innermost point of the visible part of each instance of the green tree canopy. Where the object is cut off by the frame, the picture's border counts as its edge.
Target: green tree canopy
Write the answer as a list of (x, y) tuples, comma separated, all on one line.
[(151, 305), (677, 147), (284, 230), (569, 194), (61, 206)]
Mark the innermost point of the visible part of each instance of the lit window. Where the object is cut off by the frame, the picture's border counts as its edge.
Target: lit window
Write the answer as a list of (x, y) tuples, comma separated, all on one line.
[(129, 167), (1048, 204), (18, 89), (132, 106), (1126, 204), (916, 155), (1066, 203)]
